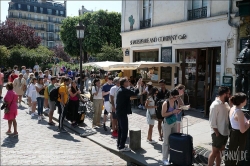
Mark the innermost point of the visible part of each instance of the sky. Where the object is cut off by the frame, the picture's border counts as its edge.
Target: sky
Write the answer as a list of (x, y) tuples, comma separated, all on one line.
[(74, 6)]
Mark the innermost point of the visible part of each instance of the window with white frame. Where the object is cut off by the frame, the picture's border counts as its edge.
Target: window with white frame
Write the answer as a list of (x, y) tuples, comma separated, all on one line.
[(19, 6), (35, 17), (28, 7), (147, 9), (196, 4), (61, 12), (29, 16), (57, 12), (41, 9), (41, 18), (35, 9)]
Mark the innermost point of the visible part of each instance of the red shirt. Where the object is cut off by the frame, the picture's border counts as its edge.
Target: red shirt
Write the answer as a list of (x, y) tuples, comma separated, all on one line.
[(12, 77)]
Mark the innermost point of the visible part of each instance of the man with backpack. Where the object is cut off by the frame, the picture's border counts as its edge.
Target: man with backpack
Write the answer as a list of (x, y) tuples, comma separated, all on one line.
[(162, 95), (52, 103), (62, 102)]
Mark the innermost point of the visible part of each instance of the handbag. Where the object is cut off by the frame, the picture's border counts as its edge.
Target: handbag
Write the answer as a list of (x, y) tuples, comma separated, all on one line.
[(171, 119), (41, 92), (5, 107), (152, 116)]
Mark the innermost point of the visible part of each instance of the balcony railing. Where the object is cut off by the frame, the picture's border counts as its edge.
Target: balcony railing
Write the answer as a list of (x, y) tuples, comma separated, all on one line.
[(145, 23), (50, 38), (197, 13), (57, 30), (43, 38), (50, 30), (39, 28)]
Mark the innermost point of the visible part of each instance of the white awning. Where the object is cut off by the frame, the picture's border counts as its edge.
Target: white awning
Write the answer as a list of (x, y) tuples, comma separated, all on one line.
[(111, 66), (139, 65)]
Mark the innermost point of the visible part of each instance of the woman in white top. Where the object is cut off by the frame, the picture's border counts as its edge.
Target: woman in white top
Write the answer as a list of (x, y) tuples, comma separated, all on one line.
[(20, 86), (151, 106), (240, 125), (32, 95), (97, 102), (40, 88)]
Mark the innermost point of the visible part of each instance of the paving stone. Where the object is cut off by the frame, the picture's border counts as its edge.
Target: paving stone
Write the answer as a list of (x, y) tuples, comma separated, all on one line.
[(37, 144)]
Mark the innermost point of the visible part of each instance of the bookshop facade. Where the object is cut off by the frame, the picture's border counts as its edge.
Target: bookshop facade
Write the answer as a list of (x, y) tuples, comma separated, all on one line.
[(205, 50)]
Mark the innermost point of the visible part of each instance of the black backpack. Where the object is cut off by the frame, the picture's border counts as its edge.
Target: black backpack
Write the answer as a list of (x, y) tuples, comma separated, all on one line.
[(53, 94), (159, 108)]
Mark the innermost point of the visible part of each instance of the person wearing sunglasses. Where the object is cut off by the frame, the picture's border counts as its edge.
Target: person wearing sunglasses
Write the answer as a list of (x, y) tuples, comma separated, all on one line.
[(170, 108)]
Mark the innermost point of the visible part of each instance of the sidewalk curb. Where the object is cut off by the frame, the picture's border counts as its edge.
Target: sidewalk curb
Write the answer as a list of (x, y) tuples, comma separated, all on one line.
[(124, 155)]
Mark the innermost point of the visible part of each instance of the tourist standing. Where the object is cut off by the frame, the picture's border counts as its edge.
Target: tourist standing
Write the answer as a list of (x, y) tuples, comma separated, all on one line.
[(97, 102), (163, 94), (36, 67), (169, 109), (20, 87), (218, 120), (11, 99), (107, 105), (62, 103), (238, 134), (123, 108), (151, 106), (113, 97), (12, 76), (32, 96), (40, 88), (52, 104)]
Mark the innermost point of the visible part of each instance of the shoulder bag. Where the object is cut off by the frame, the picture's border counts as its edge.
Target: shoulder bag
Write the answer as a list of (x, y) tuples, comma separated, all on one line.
[(5, 107), (172, 118), (152, 116)]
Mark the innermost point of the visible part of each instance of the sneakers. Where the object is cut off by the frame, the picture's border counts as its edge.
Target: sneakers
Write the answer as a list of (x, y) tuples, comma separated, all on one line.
[(165, 162), (104, 127), (115, 133), (140, 106), (151, 142), (32, 114), (35, 113), (42, 117), (39, 118), (126, 149)]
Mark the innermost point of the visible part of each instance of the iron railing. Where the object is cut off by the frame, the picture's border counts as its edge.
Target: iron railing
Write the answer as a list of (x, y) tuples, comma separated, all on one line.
[(197, 13), (145, 23)]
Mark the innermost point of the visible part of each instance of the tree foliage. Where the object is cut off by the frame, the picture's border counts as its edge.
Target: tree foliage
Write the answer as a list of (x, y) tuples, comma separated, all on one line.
[(12, 35), (110, 53), (60, 53), (20, 55), (101, 27)]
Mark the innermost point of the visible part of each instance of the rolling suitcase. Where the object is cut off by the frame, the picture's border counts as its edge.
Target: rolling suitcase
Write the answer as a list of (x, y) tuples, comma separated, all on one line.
[(181, 148), (81, 112)]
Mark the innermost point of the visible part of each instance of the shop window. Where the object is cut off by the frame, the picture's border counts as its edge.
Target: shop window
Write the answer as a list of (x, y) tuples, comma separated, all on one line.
[(151, 56), (147, 11)]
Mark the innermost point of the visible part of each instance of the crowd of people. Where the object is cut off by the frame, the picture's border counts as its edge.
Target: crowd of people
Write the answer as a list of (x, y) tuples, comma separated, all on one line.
[(46, 90)]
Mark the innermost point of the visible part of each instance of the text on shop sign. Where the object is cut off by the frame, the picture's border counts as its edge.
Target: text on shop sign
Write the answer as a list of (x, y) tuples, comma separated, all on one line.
[(158, 39)]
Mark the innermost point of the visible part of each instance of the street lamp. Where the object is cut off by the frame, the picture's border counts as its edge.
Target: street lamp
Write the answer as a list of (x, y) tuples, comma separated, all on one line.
[(80, 35)]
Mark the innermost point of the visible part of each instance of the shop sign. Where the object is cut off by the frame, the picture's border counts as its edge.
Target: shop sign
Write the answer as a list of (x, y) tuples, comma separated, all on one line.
[(158, 39)]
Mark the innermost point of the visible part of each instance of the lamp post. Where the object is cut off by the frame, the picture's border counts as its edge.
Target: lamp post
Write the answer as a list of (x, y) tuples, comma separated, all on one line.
[(80, 35)]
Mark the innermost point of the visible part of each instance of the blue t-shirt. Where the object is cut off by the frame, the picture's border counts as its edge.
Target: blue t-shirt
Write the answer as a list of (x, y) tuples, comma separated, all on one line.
[(106, 87)]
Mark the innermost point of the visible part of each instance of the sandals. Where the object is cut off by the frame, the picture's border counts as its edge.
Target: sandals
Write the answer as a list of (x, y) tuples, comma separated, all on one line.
[(51, 123), (8, 133), (160, 139)]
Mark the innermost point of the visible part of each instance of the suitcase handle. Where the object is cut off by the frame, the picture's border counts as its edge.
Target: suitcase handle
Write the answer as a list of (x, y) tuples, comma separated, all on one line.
[(187, 125)]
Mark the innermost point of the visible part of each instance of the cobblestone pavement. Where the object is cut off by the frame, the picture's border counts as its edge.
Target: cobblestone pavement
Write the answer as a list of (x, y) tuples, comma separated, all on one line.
[(40, 144), (138, 120)]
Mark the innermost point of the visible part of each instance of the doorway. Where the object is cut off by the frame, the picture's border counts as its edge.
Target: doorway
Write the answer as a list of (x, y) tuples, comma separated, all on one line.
[(198, 73)]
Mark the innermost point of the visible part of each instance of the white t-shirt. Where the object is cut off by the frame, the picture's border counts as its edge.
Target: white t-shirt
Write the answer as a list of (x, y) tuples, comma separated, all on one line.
[(31, 90), (99, 95), (39, 86), (36, 67), (113, 92)]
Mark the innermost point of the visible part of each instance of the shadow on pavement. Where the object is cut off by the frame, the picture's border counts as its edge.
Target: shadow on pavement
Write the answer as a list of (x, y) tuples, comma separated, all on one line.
[(10, 142), (65, 136)]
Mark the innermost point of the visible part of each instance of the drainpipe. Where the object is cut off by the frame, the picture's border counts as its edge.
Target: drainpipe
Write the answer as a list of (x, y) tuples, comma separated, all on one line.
[(235, 27)]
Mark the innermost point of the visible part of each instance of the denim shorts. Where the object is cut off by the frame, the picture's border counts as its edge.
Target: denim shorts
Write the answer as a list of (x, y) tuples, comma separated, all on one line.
[(179, 117)]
